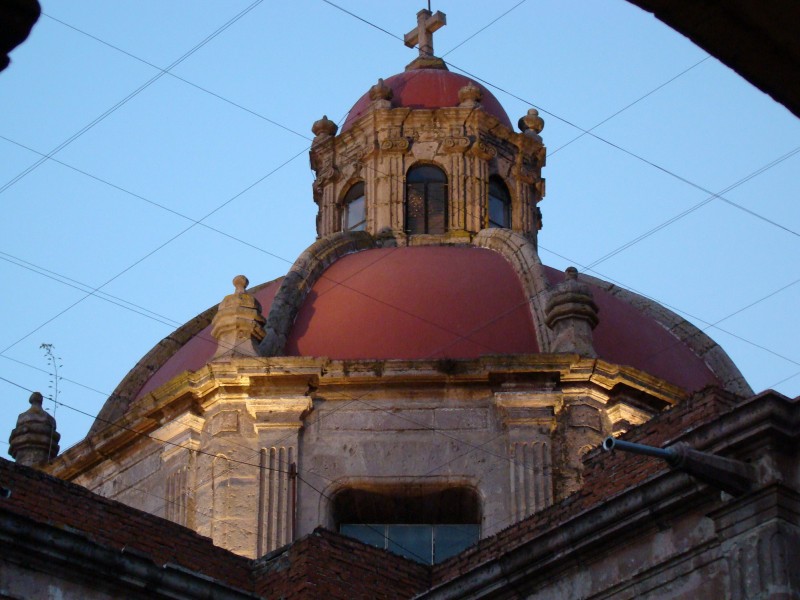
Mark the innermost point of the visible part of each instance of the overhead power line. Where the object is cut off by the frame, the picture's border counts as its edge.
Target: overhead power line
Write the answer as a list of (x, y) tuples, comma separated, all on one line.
[(129, 97), (589, 131), (178, 77)]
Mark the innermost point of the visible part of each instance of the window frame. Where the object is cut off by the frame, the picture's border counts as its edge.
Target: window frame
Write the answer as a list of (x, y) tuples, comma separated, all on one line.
[(352, 196), (430, 187), (503, 197), (442, 520)]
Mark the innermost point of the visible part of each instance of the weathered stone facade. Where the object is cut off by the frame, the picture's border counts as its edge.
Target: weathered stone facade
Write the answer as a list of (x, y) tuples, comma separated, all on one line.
[(469, 144), (254, 445), (639, 530), (251, 451)]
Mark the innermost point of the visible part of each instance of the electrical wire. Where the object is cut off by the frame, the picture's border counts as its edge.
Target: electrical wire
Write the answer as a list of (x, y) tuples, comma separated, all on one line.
[(589, 131), (550, 153), (152, 252), (68, 308), (699, 205), (178, 77), (260, 467), (346, 11), (562, 147), (129, 97)]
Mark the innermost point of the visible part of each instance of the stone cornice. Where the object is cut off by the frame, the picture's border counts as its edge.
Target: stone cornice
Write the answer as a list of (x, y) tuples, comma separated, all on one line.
[(293, 377), (540, 549)]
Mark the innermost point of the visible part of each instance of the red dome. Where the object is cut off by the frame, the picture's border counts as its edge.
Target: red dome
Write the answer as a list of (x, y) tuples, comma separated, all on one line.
[(443, 301), (415, 303), (428, 88), (427, 302)]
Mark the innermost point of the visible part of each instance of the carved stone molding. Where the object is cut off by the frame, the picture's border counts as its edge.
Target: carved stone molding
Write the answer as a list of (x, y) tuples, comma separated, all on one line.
[(459, 144), (483, 150), (298, 282), (521, 253), (401, 145)]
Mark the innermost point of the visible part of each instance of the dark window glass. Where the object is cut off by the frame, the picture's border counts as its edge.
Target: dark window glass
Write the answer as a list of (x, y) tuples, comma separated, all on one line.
[(412, 541), (354, 217), (427, 544), (374, 535), (499, 203), (449, 540), (426, 200), (423, 524)]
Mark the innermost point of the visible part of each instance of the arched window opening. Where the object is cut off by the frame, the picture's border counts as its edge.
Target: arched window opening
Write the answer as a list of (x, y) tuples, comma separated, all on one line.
[(420, 523), (499, 203), (426, 200), (354, 215)]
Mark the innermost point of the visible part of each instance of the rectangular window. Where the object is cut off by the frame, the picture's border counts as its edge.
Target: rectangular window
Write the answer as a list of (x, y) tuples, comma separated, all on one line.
[(427, 544)]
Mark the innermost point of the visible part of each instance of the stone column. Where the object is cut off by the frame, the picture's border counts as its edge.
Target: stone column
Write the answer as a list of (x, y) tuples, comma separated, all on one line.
[(579, 430), (324, 165), (391, 176), (179, 465), (479, 156)]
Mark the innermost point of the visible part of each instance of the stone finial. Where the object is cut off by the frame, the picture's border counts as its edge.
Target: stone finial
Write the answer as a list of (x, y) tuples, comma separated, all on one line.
[(470, 96), (240, 283), (34, 441), (324, 128), (532, 124), (572, 315), (380, 91), (238, 325)]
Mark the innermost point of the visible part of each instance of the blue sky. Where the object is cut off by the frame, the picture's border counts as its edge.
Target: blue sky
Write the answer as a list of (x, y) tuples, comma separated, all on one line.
[(222, 139)]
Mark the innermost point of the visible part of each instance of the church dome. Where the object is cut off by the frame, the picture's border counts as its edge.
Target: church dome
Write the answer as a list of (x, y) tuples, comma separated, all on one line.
[(418, 329), (428, 89), (443, 302)]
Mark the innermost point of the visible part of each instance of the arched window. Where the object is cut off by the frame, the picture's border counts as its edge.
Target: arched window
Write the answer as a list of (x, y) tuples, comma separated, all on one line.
[(424, 524), (354, 214), (499, 203), (426, 200)]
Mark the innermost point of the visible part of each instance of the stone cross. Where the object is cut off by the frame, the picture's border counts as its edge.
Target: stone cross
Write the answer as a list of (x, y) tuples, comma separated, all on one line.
[(422, 35)]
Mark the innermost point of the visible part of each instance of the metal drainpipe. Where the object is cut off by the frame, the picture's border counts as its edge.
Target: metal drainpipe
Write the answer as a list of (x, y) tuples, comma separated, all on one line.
[(732, 476)]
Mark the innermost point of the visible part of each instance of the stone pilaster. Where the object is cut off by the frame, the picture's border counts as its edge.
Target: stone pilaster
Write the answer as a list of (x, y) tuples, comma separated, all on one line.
[(580, 429), (323, 162), (529, 419), (181, 439), (278, 422)]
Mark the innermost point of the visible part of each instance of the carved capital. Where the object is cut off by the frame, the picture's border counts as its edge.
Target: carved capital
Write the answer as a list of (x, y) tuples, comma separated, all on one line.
[(458, 144), (395, 145), (483, 150), (331, 174)]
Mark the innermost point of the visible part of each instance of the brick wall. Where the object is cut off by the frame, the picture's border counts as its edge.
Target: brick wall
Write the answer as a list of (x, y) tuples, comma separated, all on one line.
[(47, 499), (328, 565)]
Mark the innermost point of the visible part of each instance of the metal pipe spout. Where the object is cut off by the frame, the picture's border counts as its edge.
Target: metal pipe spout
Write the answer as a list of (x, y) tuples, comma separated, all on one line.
[(732, 476)]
